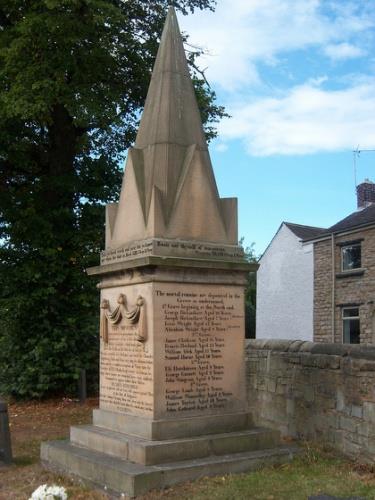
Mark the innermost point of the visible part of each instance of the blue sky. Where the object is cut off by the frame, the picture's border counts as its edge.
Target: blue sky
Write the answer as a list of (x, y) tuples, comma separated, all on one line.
[(298, 79)]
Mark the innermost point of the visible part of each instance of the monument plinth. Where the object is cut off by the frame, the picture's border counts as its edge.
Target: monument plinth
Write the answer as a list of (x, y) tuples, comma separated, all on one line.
[(172, 278)]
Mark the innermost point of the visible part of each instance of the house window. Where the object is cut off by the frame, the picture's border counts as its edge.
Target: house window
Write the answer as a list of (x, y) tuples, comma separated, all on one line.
[(351, 257), (350, 325)]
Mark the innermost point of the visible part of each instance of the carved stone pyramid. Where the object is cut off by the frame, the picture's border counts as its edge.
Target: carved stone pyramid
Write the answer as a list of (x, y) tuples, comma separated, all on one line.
[(169, 188)]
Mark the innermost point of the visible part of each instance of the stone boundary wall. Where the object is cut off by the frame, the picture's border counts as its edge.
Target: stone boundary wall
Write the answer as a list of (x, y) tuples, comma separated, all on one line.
[(315, 391)]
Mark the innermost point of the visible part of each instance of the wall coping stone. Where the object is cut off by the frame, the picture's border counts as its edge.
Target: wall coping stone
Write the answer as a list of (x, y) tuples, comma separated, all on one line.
[(361, 351)]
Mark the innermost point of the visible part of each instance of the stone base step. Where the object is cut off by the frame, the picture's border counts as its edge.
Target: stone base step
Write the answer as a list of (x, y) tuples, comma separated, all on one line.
[(147, 452), (147, 428), (118, 476)]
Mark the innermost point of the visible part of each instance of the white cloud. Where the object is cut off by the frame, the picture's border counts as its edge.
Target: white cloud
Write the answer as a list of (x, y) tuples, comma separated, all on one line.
[(307, 119), (241, 33), (221, 147), (343, 51)]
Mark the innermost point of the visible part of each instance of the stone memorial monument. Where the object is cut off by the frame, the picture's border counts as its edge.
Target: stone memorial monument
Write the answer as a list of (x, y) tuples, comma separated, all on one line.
[(172, 278)]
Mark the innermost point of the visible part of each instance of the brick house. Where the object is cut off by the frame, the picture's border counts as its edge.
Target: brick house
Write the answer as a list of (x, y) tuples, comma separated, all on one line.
[(319, 284), (344, 275)]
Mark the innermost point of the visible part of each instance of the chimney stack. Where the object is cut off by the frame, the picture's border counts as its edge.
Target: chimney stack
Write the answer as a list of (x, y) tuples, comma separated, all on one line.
[(365, 194)]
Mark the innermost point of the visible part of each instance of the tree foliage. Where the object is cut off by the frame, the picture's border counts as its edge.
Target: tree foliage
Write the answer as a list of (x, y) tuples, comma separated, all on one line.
[(250, 292), (73, 79)]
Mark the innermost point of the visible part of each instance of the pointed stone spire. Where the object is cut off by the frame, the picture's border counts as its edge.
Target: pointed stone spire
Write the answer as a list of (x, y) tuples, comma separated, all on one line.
[(169, 188), (171, 113)]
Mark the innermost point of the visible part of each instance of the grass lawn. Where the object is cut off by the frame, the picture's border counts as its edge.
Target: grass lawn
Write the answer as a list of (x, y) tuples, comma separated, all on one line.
[(316, 471)]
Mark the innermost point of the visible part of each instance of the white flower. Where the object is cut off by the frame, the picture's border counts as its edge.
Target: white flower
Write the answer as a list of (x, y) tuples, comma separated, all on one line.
[(45, 492)]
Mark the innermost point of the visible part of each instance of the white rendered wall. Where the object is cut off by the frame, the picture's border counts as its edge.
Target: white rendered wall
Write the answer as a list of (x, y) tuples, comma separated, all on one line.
[(285, 287)]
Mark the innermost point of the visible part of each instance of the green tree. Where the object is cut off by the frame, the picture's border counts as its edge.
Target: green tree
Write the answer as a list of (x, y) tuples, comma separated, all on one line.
[(73, 79), (250, 292)]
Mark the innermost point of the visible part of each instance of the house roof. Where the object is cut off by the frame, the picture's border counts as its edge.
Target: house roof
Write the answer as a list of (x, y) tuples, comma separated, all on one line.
[(357, 219), (305, 232), (302, 232)]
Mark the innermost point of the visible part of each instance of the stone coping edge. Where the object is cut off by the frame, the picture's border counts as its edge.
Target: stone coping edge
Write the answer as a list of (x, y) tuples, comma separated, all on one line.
[(172, 262), (304, 346)]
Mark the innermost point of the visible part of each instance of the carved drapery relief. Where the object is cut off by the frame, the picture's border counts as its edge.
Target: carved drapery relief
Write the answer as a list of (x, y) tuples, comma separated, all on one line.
[(136, 316)]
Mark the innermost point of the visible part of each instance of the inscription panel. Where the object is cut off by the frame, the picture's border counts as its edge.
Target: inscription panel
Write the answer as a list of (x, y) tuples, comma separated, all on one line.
[(126, 372), (126, 252), (172, 248), (202, 328)]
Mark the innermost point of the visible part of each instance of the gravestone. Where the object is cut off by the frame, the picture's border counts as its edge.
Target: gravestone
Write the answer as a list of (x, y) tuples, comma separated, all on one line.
[(5, 441), (172, 279)]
